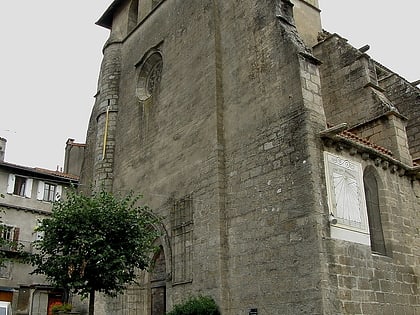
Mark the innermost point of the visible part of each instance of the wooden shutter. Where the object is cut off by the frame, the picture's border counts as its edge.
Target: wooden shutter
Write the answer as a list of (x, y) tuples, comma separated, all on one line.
[(11, 183), (28, 187), (16, 232), (40, 190)]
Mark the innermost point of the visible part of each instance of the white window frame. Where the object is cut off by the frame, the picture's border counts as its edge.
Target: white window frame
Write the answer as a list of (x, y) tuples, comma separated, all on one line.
[(40, 191), (9, 228), (11, 185), (47, 193)]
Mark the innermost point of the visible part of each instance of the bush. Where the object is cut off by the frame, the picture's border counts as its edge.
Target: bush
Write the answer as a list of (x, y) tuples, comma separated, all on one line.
[(201, 305), (59, 307)]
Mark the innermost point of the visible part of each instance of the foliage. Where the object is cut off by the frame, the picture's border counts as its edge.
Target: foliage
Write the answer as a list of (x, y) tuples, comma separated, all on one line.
[(14, 248), (200, 305), (3, 242), (95, 243), (65, 307)]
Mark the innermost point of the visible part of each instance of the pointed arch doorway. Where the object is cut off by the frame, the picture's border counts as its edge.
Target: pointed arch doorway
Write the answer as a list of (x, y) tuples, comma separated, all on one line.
[(158, 284)]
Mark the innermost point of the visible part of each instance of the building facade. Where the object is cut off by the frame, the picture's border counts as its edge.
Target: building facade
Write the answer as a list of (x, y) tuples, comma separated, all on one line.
[(280, 157), (27, 196)]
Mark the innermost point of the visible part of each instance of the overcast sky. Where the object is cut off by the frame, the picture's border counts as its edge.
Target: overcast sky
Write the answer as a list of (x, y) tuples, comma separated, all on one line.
[(51, 52)]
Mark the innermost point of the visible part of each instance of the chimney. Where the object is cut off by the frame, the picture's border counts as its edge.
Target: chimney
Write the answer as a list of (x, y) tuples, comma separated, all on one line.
[(2, 148)]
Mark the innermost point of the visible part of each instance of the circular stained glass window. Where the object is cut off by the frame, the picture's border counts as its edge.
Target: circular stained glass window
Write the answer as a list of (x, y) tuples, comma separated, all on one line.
[(149, 76)]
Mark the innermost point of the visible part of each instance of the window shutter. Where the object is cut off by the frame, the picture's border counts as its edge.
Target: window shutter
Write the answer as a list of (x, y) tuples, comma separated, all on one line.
[(11, 184), (28, 187), (40, 191), (16, 232), (58, 191)]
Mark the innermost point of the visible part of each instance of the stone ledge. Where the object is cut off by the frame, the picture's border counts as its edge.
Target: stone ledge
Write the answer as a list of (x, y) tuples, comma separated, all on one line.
[(336, 136)]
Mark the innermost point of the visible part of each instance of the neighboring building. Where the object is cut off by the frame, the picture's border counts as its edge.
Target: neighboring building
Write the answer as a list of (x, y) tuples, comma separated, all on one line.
[(27, 196), (74, 157), (280, 157)]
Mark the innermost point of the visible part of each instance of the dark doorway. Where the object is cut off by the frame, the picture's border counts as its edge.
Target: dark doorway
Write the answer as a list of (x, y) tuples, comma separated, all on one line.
[(158, 284), (54, 299)]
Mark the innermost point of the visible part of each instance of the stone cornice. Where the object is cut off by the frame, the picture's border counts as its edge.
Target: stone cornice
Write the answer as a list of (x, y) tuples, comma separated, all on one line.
[(340, 139), (10, 206)]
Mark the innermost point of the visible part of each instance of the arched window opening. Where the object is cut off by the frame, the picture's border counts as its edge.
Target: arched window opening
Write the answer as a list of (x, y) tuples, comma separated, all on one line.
[(133, 15), (158, 284), (374, 214), (150, 72)]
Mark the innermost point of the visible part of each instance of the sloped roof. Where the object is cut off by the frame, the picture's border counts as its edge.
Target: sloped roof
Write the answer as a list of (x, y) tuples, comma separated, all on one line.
[(41, 172), (339, 134), (106, 19)]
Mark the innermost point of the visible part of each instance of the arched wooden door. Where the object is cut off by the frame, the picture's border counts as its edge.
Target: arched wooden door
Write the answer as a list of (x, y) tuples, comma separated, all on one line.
[(158, 284)]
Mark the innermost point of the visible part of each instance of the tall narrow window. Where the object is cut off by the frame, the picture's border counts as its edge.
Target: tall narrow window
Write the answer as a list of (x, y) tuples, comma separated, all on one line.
[(374, 214), (133, 15), (49, 192), (182, 229), (20, 186)]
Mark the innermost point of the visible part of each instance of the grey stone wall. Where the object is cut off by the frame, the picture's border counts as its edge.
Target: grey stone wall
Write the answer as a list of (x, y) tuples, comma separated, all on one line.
[(231, 129), (350, 88), (407, 99), (219, 128), (351, 94), (364, 283), (73, 158)]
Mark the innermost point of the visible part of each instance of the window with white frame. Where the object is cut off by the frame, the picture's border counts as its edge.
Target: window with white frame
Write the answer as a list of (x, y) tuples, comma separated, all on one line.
[(19, 186), (7, 233), (10, 234), (48, 191)]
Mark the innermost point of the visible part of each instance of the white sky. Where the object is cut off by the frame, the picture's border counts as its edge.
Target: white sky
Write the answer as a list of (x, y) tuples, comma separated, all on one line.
[(51, 52)]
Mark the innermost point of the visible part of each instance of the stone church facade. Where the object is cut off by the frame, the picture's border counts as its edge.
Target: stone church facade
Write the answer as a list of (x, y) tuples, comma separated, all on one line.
[(282, 159)]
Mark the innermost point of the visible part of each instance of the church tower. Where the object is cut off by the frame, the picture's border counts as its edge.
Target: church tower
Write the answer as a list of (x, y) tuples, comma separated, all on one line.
[(213, 111), (190, 108)]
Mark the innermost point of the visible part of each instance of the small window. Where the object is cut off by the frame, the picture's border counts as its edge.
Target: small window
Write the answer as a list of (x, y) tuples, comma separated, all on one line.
[(133, 15), (149, 75), (5, 308), (10, 235), (377, 240), (49, 192), (20, 186), (7, 233)]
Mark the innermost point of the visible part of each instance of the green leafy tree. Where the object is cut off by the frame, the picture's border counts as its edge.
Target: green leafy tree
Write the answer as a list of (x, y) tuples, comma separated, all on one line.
[(95, 243)]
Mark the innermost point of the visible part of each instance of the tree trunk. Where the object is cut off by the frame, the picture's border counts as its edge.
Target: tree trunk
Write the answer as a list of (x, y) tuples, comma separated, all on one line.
[(92, 302)]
